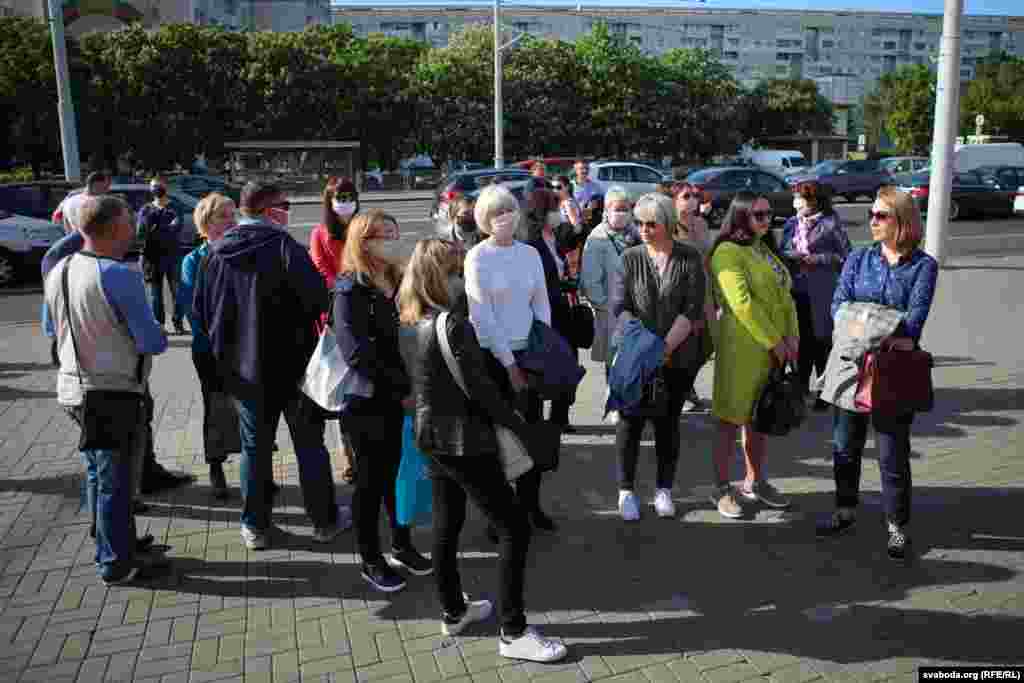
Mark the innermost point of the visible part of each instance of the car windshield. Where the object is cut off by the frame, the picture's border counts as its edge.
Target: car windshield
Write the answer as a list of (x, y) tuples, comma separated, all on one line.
[(920, 178), (796, 161), (701, 177), (825, 167)]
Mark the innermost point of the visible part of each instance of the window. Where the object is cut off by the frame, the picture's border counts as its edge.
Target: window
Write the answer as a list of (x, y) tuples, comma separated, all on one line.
[(734, 42), (766, 183), (965, 73), (889, 45), (645, 175), (730, 55), (825, 44), (920, 46), (782, 56), (1008, 178), (966, 179), (735, 180), (621, 174)]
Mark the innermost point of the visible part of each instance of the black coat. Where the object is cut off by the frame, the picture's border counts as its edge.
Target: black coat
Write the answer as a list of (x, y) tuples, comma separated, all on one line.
[(447, 421), (565, 241)]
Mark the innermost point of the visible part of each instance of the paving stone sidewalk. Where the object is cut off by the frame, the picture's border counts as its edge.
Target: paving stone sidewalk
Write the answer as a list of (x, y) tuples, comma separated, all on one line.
[(698, 598)]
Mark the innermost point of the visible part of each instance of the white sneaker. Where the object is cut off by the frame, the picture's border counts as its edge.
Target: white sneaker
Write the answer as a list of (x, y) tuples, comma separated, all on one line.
[(663, 503), (629, 506), (255, 539), (478, 610), (531, 646)]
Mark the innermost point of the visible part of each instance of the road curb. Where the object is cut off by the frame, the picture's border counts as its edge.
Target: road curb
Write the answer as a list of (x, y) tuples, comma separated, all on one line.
[(306, 201)]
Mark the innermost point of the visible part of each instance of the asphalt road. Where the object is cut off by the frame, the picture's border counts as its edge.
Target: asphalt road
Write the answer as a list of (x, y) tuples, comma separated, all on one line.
[(21, 304)]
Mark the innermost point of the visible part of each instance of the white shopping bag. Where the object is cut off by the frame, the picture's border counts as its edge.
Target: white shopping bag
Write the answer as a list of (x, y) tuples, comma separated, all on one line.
[(329, 381)]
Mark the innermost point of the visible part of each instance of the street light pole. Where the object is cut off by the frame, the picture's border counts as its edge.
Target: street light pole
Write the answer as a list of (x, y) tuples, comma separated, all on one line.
[(947, 107), (65, 106), (499, 131)]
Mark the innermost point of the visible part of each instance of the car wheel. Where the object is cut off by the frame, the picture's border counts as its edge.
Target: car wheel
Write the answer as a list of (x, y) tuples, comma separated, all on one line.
[(954, 210), (8, 269)]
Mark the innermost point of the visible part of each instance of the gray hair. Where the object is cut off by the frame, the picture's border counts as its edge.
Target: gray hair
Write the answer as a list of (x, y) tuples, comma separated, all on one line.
[(98, 214), (492, 200), (615, 193), (658, 208)]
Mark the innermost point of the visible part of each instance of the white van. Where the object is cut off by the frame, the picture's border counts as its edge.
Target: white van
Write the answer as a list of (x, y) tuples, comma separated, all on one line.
[(782, 161), (970, 157)]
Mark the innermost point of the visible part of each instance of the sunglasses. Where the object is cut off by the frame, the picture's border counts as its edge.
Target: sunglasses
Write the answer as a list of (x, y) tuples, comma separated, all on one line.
[(880, 216), (761, 215)]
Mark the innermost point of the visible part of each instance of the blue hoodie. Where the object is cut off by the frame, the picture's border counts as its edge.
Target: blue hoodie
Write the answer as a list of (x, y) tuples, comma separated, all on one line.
[(259, 299)]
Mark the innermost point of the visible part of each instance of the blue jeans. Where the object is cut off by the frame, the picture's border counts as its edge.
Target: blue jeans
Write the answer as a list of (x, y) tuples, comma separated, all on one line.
[(168, 268), (892, 434), (111, 483), (257, 422)]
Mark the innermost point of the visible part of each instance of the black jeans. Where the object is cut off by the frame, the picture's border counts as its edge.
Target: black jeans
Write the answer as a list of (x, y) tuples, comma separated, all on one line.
[(814, 351), (666, 434), (481, 479), (892, 434), (374, 429)]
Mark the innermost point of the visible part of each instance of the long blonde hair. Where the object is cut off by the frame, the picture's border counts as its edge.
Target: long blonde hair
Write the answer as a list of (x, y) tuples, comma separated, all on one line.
[(425, 283), (356, 259)]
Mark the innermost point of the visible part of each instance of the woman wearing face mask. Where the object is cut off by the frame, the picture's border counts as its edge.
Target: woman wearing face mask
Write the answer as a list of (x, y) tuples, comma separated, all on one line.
[(757, 328), (213, 216), (460, 229), (601, 270), (815, 246), (507, 291), (326, 243), (366, 325)]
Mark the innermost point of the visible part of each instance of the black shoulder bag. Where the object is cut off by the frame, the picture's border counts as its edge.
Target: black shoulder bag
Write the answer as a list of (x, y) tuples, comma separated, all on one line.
[(108, 418)]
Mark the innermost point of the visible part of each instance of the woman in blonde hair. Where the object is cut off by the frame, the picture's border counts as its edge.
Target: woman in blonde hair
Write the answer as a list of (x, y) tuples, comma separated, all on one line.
[(455, 429), (366, 325), (213, 216), (893, 272)]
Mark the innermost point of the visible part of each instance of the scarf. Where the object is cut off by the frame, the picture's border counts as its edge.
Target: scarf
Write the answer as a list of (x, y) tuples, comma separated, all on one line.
[(804, 225)]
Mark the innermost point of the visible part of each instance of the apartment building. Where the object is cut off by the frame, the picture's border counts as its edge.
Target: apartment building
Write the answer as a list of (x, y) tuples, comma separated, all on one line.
[(87, 16), (844, 52)]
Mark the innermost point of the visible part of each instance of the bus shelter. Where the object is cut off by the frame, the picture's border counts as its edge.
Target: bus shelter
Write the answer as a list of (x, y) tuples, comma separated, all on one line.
[(297, 166)]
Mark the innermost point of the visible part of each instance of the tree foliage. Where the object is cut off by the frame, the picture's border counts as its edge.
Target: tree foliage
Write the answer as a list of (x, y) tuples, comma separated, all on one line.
[(784, 106), (997, 92)]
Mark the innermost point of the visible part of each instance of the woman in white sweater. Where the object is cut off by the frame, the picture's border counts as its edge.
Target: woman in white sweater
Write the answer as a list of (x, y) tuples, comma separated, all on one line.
[(506, 290)]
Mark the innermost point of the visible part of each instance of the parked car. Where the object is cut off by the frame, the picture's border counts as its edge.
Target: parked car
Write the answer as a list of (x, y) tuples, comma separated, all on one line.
[(970, 195), (636, 178), (784, 162), (971, 157), (138, 194), (201, 185), (35, 199), (895, 166), (1003, 178), (23, 242), (470, 183), (847, 180), (723, 184), (553, 166)]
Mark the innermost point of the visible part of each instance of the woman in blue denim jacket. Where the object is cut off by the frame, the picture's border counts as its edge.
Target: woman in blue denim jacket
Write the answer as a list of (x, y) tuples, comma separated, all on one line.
[(893, 272)]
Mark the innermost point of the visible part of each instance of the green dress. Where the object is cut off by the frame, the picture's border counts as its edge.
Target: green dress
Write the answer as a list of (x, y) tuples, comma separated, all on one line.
[(752, 287)]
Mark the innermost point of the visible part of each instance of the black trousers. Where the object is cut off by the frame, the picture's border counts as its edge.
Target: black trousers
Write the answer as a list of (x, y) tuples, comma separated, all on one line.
[(479, 478), (374, 429), (814, 351), (629, 430)]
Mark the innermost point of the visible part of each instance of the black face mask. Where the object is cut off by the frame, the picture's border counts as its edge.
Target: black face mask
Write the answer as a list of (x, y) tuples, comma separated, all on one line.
[(159, 192), (467, 224)]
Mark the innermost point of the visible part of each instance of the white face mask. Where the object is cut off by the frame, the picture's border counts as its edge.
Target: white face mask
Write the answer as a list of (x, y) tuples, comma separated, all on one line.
[(617, 220), (345, 210), (799, 203), (554, 219), (389, 251), (503, 227)]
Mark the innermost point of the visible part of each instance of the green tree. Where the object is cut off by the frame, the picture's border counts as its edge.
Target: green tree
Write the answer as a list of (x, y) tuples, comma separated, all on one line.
[(785, 106), (706, 120), (908, 97), (997, 92)]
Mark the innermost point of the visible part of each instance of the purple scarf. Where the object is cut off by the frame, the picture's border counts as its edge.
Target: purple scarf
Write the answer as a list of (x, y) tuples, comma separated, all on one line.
[(804, 225)]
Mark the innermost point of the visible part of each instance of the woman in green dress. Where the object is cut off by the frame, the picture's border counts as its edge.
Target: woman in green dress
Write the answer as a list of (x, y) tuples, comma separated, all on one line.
[(757, 328)]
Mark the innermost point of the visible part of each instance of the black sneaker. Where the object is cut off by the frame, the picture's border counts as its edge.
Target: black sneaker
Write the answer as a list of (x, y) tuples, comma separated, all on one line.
[(820, 406), (121, 578), (144, 543), (411, 560), (836, 525), (898, 547), (179, 327), (218, 481), (542, 522), (162, 479), (382, 577)]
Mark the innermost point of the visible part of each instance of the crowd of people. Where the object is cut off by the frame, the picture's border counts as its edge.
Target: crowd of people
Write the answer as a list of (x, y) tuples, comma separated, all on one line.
[(442, 335)]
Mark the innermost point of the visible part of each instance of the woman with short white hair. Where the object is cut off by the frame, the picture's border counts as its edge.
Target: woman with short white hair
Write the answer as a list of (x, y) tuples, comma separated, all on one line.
[(506, 289), (663, 287)]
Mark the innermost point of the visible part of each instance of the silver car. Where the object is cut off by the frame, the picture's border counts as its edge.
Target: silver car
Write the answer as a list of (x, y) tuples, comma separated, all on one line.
[(23, 242)]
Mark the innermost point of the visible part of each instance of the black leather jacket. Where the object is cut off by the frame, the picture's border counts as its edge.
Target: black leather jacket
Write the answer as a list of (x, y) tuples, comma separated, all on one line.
[(447, 422)]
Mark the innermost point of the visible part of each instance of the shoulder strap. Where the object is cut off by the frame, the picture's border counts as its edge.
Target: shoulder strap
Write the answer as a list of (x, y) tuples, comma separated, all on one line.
[(67, 317), (441, 328)]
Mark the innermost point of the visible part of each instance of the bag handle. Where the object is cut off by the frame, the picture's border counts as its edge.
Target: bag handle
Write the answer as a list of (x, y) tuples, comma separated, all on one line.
[(441, 329)]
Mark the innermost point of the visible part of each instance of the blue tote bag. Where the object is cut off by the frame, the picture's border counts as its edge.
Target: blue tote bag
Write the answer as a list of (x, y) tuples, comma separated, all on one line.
[(414, 494)]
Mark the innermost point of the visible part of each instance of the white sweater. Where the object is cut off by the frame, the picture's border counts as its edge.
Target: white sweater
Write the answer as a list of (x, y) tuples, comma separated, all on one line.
[(507, 292)]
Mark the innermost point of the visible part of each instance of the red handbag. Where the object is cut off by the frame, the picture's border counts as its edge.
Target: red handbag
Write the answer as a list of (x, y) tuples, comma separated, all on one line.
[(895, 382)]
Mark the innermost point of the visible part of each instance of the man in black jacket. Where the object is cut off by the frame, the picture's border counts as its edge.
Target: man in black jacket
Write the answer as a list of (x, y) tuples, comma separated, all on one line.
[(259, 298)]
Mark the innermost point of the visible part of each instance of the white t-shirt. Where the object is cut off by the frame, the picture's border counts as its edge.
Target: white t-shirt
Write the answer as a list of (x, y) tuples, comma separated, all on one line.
[(506, 291)]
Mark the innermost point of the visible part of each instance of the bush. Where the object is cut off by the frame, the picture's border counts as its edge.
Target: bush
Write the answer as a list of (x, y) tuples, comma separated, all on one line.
[(18, 175)]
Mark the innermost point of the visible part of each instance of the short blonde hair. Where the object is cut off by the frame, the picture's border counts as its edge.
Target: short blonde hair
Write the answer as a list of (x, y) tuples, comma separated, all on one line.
[(616, 193), (492, 199), (355, 257), (659, 208), (425, 282), (909, 226), (207, 210)]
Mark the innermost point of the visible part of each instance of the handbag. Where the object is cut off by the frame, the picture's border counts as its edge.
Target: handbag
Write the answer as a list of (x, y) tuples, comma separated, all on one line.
[(894, 382), (329, 381), (782, 406), (413, 487), (581, 323), (514, 458), (108, 418)]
